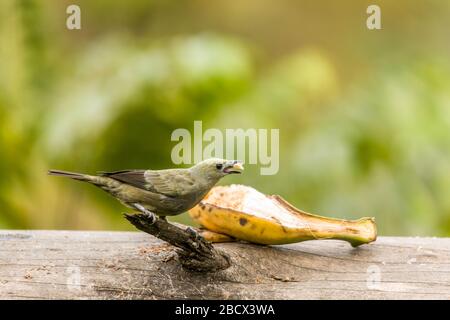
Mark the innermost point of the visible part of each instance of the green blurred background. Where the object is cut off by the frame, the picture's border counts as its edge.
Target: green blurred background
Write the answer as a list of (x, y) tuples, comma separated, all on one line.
[(364, 116)]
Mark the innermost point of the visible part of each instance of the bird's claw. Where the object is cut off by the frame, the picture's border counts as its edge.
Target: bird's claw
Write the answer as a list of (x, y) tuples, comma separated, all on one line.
[(148, 214), (151, 216), (193, 233)]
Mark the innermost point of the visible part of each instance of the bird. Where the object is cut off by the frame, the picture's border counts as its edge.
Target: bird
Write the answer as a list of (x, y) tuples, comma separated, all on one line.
[(161, 193)]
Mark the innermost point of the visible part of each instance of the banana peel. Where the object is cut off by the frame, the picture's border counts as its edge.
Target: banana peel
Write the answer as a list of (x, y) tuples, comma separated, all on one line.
[(238, 212)]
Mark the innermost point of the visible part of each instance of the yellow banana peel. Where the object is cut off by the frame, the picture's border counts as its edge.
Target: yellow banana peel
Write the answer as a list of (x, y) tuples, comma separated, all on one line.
[(243, 213)]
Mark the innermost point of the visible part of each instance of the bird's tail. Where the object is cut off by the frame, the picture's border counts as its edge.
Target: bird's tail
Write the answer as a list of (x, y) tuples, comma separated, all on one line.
[(104, 183), (73, 175)]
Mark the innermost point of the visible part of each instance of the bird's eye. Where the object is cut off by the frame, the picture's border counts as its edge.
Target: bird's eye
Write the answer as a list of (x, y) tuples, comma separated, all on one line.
[(219, 166)]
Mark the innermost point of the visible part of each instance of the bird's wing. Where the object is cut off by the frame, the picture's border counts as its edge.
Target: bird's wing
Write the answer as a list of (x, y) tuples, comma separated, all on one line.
[(171, 182)]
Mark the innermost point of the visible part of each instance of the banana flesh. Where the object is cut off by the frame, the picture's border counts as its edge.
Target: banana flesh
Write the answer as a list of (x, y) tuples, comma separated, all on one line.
[(214, 236), (243, 213)]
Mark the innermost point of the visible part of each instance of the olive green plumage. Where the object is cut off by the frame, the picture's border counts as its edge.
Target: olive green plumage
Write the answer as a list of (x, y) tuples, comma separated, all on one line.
[(162, 192)]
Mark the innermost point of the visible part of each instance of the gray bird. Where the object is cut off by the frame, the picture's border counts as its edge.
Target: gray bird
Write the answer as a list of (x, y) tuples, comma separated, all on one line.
[(162, 192)]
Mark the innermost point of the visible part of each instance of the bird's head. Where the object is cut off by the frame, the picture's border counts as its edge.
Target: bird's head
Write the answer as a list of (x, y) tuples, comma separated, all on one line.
[(217, 168)]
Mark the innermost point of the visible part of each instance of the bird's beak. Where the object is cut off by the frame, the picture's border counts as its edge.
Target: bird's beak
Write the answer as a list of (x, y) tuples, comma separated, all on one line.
[(235, 167)]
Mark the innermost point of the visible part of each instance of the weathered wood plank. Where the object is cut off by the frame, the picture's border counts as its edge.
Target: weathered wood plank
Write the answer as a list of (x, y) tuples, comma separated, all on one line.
[(134, 265)]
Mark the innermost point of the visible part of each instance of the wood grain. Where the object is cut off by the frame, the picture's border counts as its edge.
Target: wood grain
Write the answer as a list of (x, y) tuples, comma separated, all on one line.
[(195, 253), (134, 265)]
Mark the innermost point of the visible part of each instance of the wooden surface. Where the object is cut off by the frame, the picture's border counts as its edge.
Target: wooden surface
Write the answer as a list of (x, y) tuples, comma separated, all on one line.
[(134, 265)]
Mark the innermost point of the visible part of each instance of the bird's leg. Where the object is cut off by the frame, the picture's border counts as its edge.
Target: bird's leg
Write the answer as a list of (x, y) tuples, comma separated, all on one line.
[(148, 213), (193, 232)]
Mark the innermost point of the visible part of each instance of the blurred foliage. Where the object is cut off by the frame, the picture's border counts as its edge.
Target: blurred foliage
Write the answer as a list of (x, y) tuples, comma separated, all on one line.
[(364, 117)]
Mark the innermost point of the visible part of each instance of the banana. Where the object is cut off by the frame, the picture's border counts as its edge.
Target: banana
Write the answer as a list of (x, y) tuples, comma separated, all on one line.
[(243, 213), (214, 236)]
